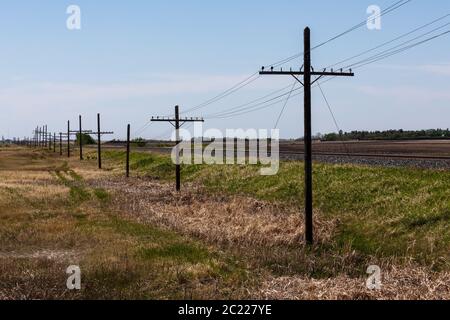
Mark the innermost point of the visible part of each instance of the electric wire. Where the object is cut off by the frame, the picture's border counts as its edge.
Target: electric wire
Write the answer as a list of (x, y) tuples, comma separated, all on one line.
[(390, 41), (334, 118), (285, 104), (366, 61), (256, 75)]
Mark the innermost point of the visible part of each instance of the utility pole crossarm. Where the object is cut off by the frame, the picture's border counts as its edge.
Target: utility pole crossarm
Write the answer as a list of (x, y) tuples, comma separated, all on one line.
[(159, 119), (83, 131), (312, 73), (103, 132), (176, 122)]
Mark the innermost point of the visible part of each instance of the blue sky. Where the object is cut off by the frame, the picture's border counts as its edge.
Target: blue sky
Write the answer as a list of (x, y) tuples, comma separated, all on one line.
[(134, 59)]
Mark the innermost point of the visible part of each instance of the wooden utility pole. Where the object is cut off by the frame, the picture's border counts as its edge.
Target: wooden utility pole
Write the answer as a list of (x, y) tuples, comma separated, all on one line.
[(60, 144), (99, 144), (45, 137), (178, 165), (177, 123), (68, 139), (80, 132), (127, 164), (307, 83), (99, 134), (81, 140)]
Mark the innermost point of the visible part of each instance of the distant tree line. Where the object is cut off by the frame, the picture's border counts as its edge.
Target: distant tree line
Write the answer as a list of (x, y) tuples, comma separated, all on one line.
[(388, 135), (85, 138)]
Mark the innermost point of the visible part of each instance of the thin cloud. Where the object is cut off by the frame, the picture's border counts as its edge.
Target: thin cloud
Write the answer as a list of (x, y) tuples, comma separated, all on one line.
[(47, 94), (442, 69), (410, 94)]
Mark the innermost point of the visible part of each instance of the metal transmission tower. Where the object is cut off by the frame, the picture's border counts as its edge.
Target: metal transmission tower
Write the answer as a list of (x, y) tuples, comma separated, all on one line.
[(177, 122), (307, 72)]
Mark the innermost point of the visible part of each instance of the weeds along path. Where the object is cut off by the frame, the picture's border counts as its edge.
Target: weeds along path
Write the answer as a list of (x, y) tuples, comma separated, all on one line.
[(136, 239), (51, 219), (268, 236)]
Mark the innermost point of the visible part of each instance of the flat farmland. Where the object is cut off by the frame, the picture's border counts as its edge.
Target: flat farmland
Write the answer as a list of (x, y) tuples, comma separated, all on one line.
[(434, 154), (433, 148), (427, 148)]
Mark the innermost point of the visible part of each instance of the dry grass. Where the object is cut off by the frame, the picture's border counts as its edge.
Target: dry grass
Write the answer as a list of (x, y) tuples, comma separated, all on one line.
[(404, 283), (226, 220), (270, 237), (137, 239), (50, 219)]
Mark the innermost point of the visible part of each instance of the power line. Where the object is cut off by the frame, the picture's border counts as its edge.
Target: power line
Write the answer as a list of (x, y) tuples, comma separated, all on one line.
[(254, 101), (334, 118), (226, 93), (261, 107), (400, 45), (240, 109), (255, 76), (390, 41), (389, 9), (285, 104), (379, 57), (143, 128), (244, 110)]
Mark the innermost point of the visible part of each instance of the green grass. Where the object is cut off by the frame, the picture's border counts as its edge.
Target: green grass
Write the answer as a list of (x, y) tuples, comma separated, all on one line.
[(394, 212), (167, 262), (101, 194), (78, 192), (119, 258)]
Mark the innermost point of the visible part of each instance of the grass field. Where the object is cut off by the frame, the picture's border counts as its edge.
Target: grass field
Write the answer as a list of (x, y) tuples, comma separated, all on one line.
[(231, 233), (383, 211)]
